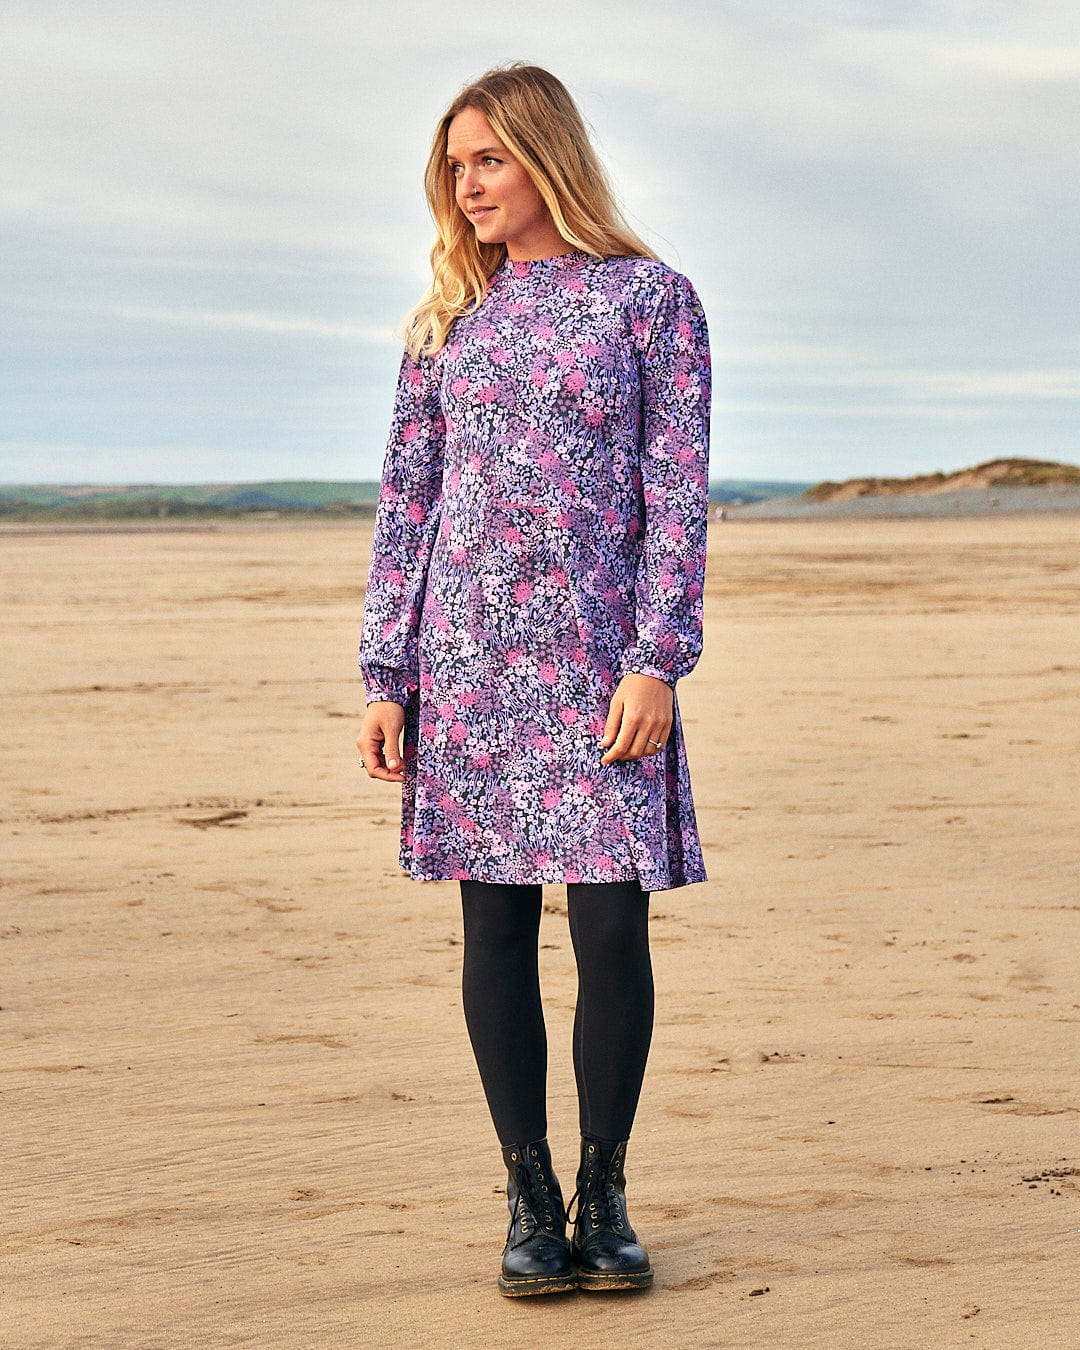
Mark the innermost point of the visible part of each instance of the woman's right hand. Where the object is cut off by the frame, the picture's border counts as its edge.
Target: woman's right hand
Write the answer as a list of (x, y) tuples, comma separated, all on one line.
[(379, 741)]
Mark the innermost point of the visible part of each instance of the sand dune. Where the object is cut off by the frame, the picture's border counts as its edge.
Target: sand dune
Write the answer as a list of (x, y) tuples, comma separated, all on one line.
[(239, 1104)]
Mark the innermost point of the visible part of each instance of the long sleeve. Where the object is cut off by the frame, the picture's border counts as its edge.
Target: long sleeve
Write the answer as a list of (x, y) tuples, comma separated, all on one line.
[(406, 521), (676, 398)]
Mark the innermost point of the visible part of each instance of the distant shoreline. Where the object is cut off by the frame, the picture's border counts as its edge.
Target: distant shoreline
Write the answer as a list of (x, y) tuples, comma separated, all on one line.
[(964, 504)]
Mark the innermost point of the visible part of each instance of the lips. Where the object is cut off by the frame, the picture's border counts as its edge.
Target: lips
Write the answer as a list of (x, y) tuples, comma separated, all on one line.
[(481, 212)]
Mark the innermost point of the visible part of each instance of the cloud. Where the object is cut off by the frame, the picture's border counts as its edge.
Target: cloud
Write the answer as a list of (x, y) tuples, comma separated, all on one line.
[(271, 324), (875, 200)]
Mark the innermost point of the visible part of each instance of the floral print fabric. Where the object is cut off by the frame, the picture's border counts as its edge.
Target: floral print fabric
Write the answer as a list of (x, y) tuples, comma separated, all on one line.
[(541, 531)]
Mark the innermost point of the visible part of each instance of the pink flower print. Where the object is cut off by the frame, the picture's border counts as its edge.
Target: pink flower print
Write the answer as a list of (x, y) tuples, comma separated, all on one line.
[(453, 351), (584, 785), (682, 381), (446, 711), (596, 726), (590, 348), (549, 672), (545, 332), (685, 331), (594, 417), (564, 358), (542, 859), (410, 431), (564, 520), (487, 333), (548, 460), (544, 744), (574, 381), (522, 591), (674, 530), (568, 716), (458, 732), (480, 760), (538, 376), (557, 577), (467, 697), (499, 356), (550, 798), (521, 269), (486, 394), (610, 517), (511, 535), (459, 556), (573, 876), (416, 512), (514, 656), (459, 386), (574, 284), (415, 377)]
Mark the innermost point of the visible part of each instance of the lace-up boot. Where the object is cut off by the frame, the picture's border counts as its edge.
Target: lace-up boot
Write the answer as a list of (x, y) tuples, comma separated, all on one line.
[(605, 1248), (536, 1259)]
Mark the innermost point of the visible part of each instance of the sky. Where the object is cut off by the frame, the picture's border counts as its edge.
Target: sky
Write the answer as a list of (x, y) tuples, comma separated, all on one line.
[(212, 221)]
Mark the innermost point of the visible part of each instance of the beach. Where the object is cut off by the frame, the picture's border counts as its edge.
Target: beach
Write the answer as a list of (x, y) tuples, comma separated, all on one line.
[(239, 1102)]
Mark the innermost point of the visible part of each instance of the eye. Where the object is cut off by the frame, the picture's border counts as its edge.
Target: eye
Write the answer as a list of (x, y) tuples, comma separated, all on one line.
[(490, 159), (454, 169)]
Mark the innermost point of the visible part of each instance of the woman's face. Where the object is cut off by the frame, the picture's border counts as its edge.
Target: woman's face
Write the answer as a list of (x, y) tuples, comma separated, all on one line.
[(496, 194)]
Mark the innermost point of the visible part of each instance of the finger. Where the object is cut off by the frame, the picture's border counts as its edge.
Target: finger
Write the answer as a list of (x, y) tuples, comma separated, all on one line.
[(613, 721), (629, 737), (381, 755), (636, 744)]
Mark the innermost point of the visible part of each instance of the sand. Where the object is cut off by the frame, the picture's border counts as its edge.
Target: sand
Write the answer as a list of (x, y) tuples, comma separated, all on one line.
[(239, 1106)]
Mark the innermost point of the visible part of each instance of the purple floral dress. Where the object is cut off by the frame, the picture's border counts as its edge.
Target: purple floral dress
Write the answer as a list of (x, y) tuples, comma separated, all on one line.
[(540, 532)]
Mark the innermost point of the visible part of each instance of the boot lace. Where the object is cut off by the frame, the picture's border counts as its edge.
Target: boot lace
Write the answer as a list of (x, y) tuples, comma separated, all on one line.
[(535, 1210), (598, 1195)]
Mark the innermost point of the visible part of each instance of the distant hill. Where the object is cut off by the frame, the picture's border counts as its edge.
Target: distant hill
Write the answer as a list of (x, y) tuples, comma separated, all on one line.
[(995, 473), (150, 501), (143, 501)]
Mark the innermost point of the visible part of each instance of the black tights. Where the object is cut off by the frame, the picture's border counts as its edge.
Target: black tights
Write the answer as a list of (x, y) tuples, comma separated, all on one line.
[(609, 927)]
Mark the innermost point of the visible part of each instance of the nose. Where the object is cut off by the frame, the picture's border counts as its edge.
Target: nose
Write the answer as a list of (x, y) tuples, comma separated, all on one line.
[(469, 183)]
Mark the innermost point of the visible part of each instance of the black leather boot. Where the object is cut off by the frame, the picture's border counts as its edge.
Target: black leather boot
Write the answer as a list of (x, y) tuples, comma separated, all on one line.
[(605, 1249), (536, 1259)]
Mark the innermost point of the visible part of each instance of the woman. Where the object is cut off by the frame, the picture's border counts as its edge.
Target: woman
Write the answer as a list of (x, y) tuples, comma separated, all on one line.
[(534, 594)]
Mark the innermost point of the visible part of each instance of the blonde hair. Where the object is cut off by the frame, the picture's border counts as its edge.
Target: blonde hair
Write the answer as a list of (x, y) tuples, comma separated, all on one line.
[(535, 117)]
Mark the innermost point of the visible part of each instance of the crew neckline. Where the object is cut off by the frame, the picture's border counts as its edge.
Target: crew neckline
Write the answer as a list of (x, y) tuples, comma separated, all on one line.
[(523, 267)]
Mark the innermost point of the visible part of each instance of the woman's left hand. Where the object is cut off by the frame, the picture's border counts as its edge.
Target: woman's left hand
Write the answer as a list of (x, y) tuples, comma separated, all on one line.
[(639, 718)]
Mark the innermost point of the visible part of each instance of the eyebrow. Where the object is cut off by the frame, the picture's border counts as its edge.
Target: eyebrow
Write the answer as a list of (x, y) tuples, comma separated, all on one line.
[(479, 154)]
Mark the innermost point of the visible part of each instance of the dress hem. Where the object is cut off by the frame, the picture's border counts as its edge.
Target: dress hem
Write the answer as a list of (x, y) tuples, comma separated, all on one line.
[(689, 879)]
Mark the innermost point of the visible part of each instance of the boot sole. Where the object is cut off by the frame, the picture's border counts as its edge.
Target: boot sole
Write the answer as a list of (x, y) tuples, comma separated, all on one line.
[(539, 1284), (598, 1283)]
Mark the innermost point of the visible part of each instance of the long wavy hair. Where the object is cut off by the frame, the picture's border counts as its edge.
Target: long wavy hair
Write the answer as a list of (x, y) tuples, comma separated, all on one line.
[(534, 116)]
